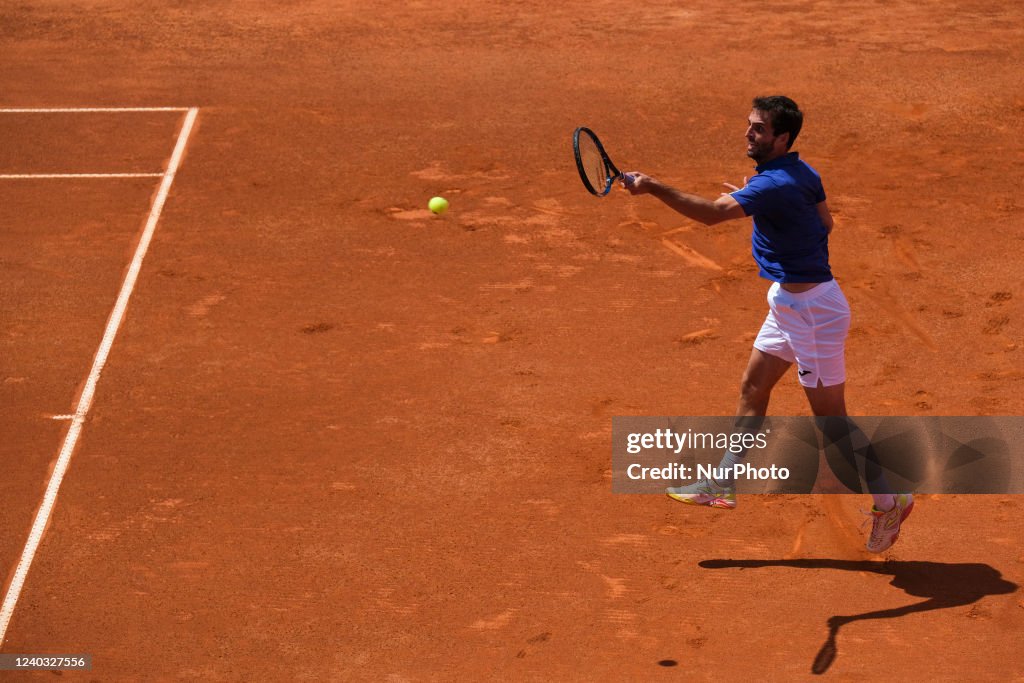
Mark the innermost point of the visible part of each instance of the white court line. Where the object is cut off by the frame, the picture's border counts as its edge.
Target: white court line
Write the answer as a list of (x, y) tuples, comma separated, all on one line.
[(76, 110), (85, 401), (48, 176)]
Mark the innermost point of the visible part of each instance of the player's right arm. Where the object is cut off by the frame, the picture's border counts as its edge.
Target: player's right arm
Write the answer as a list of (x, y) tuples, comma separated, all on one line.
[(692, 206)]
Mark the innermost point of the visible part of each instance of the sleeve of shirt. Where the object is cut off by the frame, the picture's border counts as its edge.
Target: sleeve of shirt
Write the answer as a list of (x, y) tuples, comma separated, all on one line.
[(757, 196), (817, 188)]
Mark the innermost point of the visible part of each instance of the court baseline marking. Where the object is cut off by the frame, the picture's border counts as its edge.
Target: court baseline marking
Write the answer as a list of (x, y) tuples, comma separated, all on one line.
[(51, 176), (42, 517), (82, 110)]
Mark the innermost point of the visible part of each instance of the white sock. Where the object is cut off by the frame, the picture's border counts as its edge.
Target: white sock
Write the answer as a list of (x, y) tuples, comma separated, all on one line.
[(728, 462)]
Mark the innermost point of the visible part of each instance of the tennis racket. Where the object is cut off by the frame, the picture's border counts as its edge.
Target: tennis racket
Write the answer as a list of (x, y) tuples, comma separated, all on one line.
[(597, 171)]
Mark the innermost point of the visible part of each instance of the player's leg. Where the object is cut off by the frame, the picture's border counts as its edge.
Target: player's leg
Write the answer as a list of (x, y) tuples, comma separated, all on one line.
[(827, 401), (762, 374), (769, 360), (840, 434), (820, 354)]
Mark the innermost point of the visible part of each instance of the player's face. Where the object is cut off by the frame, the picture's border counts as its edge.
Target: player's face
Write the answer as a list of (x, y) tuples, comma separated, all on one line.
[(762, 143)]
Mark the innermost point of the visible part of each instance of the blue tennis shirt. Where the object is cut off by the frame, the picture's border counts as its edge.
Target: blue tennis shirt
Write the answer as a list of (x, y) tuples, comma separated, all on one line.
[(790, 242)]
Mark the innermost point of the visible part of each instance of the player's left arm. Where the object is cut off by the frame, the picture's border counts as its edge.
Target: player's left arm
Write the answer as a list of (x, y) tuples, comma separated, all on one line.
[(826, 216)]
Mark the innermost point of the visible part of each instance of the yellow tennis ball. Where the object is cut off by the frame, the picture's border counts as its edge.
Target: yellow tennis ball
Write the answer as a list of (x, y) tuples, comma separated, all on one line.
[(438, 205)]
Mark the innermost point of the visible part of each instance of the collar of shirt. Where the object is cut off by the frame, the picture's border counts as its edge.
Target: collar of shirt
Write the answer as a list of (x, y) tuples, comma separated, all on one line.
[(785, 160)]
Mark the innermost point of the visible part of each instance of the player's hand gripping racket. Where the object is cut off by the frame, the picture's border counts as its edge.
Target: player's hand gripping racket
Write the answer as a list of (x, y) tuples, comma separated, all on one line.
[(597, 171)]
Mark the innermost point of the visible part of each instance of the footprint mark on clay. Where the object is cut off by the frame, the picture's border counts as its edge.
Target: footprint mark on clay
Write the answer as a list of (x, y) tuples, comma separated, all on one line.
[(888, 303), (698, 337), (203, 306), (904, 248), (538, 639), (635, 540), (915, 111), (434, 172), (551, 206), (905, 253), (995, 325), (624, 620), (597, 409), (388, 599), (616, 587), (691, 256), (998, 299), (546, 506), (409, 214), (494, 623)]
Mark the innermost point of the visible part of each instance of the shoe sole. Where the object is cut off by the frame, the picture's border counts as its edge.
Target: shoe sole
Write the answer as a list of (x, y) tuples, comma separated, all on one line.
[(719, 503)]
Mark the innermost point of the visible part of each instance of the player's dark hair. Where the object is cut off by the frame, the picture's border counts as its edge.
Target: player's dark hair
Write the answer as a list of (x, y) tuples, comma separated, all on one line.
[(785, 116)]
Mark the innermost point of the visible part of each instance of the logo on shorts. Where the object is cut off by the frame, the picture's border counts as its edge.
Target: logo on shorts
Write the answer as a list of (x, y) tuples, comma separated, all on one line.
[(803, 372)]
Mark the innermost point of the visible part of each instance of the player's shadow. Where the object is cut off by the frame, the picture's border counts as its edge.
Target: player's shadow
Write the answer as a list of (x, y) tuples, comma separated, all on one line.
[(944, 586)]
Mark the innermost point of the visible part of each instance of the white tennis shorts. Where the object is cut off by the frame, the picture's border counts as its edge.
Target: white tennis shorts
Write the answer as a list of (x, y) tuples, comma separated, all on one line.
[(808, 329)]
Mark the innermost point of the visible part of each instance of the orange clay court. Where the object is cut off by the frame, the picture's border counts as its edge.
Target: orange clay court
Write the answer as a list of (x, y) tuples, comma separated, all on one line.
[(337, 437)]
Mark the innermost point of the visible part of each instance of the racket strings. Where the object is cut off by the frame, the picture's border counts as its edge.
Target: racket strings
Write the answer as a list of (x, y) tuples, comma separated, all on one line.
[(593, 163)]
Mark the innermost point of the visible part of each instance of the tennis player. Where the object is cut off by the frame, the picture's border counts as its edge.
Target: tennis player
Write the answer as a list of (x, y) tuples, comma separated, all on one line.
[(808, 316)]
